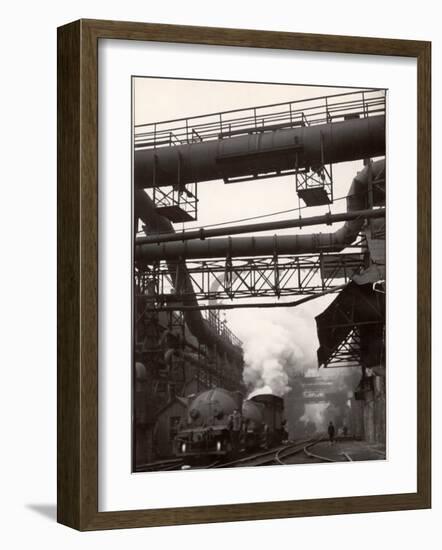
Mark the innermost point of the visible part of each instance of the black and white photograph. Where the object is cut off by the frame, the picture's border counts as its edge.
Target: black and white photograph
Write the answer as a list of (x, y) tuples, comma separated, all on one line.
[(259, 274), (218, 319)]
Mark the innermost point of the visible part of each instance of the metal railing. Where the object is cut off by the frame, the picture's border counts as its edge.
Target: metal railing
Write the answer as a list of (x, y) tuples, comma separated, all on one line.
[(265, 118), (221, 328)]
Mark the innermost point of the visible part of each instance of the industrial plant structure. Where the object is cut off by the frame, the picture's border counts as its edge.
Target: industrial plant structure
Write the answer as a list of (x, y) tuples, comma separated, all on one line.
[(181, 343)]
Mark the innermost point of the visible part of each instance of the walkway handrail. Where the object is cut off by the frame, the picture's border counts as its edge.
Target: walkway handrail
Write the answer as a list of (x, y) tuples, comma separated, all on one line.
[(289, 114)]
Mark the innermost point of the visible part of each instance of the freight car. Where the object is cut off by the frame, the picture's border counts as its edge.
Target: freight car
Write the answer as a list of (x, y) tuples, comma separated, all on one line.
[(264, 423), (207, 431)]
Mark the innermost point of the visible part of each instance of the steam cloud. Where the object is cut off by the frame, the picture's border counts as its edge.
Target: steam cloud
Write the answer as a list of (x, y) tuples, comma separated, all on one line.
[(280, 355), (278, 344)]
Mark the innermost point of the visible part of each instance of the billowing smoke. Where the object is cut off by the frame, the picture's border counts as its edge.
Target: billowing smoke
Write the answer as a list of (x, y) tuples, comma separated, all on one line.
[(279, 344), (270, 361), (315, 413), (339, 384)]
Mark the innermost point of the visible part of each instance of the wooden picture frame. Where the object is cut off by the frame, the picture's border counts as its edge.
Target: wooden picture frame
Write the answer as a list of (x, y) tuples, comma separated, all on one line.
[(78, 274)]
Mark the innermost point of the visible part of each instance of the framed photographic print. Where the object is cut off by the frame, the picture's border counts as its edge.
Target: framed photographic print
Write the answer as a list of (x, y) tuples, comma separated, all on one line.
[(243, 275)]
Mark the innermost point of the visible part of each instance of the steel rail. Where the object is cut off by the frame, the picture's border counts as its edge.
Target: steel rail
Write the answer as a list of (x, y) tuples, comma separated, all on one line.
[(324, 458), (250, 458), (266, 457), (284, 453), (159, 465)]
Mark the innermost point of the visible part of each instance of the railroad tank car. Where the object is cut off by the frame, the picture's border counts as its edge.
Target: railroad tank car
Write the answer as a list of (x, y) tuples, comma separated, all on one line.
[(207, 431)]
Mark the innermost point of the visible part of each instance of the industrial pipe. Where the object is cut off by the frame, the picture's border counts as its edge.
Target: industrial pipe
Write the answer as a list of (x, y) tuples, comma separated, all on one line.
[(260, 153), (327, 219), (314, 243), (199, 327), (249, 305)]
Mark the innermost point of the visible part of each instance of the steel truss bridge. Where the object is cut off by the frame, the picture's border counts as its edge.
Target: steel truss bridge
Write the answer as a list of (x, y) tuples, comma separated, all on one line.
[(274, 276)]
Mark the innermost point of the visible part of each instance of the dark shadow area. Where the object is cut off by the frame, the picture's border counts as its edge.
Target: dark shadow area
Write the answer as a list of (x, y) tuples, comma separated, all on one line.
[(47, 510)]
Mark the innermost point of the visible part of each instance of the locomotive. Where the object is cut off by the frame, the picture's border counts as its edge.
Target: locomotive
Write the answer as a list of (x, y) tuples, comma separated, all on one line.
[(207, 429)]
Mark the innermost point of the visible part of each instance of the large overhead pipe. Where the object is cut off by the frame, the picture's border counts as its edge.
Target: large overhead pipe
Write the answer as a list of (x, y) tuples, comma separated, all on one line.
[(260, 153), (313, 243), (198, 326), (202, 233)]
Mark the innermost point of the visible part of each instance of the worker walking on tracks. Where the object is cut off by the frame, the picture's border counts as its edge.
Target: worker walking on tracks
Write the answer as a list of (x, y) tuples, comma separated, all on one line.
[(235, 425), (331, 433)]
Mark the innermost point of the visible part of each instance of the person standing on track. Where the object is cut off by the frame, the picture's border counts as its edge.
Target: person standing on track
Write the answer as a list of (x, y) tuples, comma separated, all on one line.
[(331, 433)]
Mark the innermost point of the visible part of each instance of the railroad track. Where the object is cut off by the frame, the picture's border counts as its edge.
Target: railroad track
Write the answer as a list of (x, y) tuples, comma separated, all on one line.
[(161, 465), (174, 464), (278, 455), (214, 464), (316, 456), (283, 454), (270, 457)]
